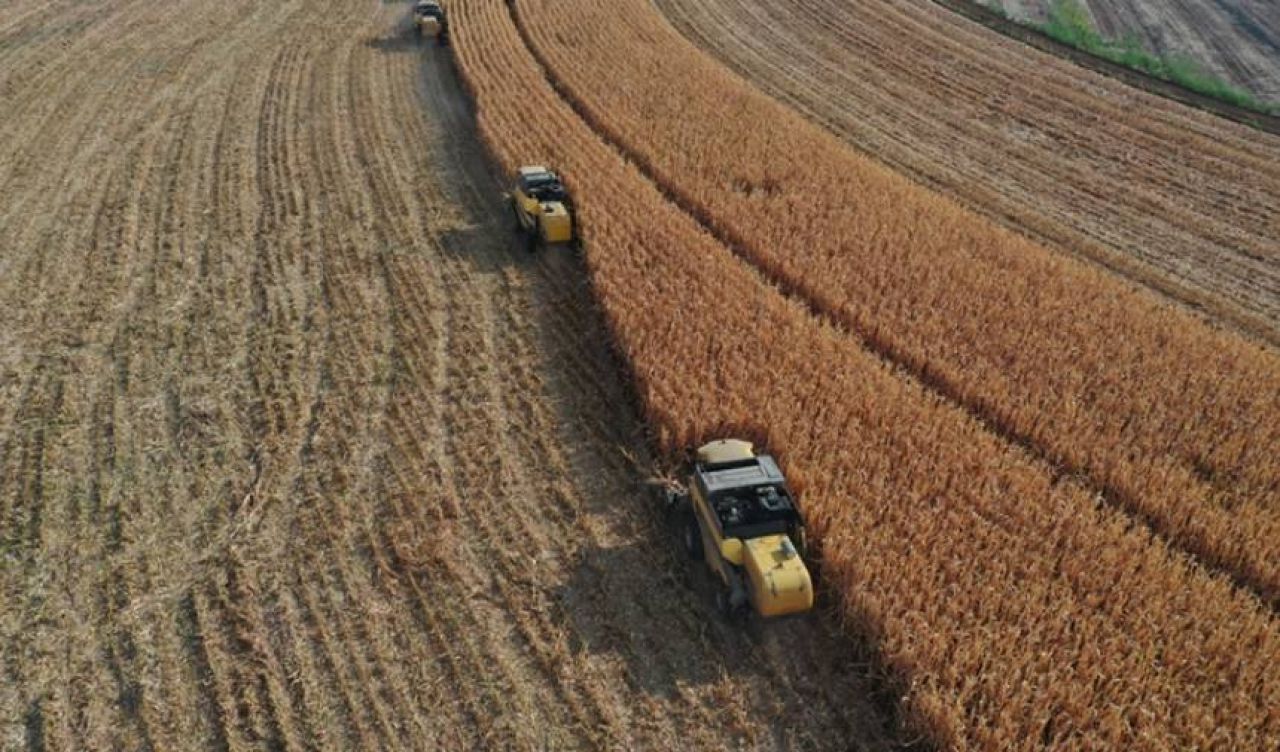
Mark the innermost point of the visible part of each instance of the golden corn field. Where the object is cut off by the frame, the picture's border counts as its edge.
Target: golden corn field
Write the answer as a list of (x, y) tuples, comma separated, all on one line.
[(1172, 419), (301, 449)]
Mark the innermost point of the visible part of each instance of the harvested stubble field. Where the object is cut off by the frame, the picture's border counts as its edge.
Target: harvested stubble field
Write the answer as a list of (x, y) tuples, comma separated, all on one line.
[(1170, 196), (298, 448), (299, 451)]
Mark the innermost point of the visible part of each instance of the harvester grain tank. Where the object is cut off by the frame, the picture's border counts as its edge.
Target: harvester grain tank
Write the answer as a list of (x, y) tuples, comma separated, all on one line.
[(740, 517)]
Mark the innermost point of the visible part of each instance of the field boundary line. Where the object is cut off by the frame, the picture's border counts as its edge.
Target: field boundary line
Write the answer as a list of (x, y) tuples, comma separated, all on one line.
[(1130, 76), (932, 383), (1197, 302)]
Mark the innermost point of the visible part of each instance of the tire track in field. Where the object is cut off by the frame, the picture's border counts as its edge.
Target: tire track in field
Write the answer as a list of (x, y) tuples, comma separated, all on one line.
[(92, 529), (347, 297), (194, 416), (355, 169), (68, 119), (128, 229), (114, 513), (487, 479), (466, 323), (261, 704), (499, 474)]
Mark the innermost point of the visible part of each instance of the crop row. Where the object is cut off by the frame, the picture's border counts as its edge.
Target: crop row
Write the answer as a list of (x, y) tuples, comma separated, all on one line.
[(1010, 609), (1176, 422)]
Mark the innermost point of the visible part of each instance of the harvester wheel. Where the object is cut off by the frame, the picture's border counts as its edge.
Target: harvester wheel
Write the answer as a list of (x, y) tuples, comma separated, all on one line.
[(692, 537), (673, 500), (732, 612), (731, 599), (801, 542)]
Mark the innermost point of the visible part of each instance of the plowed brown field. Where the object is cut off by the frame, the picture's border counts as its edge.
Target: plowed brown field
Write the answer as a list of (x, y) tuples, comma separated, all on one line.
[(1236, 40), (1175, 198), (298, 449)]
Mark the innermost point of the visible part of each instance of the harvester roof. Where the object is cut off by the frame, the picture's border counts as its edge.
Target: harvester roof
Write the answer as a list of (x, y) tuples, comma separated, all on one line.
[(542, 184), (749, 495), (745, 473), (428, 9)]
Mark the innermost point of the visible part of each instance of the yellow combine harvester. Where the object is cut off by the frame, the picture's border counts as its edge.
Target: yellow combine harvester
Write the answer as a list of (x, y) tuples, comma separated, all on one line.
[(739, 515), (542, 207), (429, 21)]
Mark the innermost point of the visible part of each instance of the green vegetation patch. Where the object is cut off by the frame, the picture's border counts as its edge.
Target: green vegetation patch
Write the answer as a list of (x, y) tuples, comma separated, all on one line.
[(1069, 22)]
